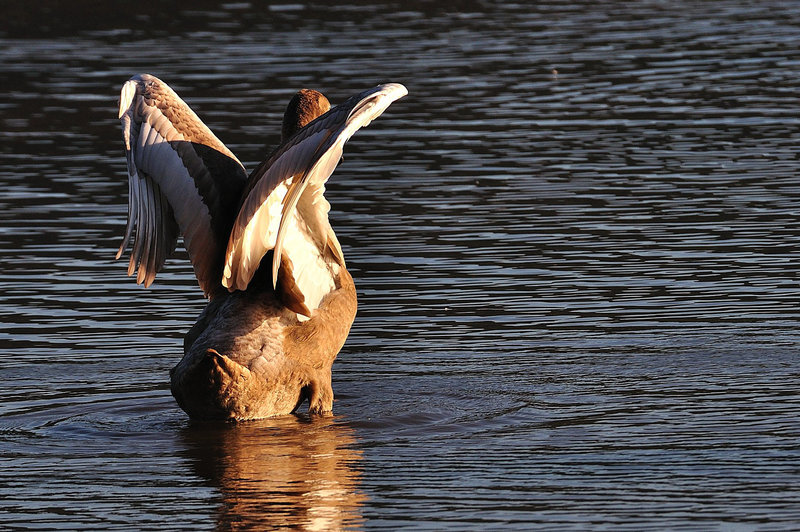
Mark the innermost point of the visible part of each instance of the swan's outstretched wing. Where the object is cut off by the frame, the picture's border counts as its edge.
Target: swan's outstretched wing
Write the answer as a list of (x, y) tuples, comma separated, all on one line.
[(180, 177), (285, 210)]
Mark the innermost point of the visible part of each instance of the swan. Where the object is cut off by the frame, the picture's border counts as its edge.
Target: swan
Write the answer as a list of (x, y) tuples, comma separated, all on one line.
[(280, 298)]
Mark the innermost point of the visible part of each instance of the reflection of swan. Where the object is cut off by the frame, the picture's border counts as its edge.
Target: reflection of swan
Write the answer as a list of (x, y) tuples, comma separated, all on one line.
[(267, 342), (285, 472)]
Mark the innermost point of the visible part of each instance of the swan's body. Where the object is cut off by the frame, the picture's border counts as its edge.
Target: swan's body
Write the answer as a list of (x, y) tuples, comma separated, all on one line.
[(281, 300)]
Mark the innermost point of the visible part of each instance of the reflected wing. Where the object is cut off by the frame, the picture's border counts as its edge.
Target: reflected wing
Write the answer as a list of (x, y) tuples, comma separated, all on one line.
[(180, 177), (285, 210)]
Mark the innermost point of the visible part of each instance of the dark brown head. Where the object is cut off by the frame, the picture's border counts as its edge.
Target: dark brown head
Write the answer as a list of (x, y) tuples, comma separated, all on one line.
[(305, 106)]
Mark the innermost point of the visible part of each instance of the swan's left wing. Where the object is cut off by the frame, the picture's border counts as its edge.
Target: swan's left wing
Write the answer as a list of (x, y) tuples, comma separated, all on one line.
[(181, 178), (285, 210)]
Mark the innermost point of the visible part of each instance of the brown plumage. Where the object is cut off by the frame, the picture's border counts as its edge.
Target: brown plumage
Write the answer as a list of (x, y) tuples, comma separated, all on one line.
[(272, 362), (267, 343), (304, 106)]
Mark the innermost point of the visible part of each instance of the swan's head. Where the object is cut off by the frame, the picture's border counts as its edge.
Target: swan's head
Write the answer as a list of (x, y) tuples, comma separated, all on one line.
[(304, 107)]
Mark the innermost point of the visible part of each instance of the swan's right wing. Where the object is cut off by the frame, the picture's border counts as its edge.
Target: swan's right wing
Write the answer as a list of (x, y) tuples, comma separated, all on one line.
[(285, 210), (181, 177)]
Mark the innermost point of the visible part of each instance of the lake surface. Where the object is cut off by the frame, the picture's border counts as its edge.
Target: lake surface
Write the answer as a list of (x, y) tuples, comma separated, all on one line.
[(575, 244)]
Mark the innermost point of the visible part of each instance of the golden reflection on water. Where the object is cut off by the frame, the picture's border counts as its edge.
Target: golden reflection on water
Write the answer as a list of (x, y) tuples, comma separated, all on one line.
[(286, 472)]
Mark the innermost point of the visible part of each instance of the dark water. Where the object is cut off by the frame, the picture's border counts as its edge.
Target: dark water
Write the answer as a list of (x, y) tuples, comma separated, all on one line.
[(575, 244)]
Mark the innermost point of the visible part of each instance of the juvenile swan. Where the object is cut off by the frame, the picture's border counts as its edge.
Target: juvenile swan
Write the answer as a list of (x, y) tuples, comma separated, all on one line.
[(281, 301)]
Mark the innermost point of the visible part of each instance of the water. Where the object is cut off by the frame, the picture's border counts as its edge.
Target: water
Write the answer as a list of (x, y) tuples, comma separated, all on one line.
[(575, 244)]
